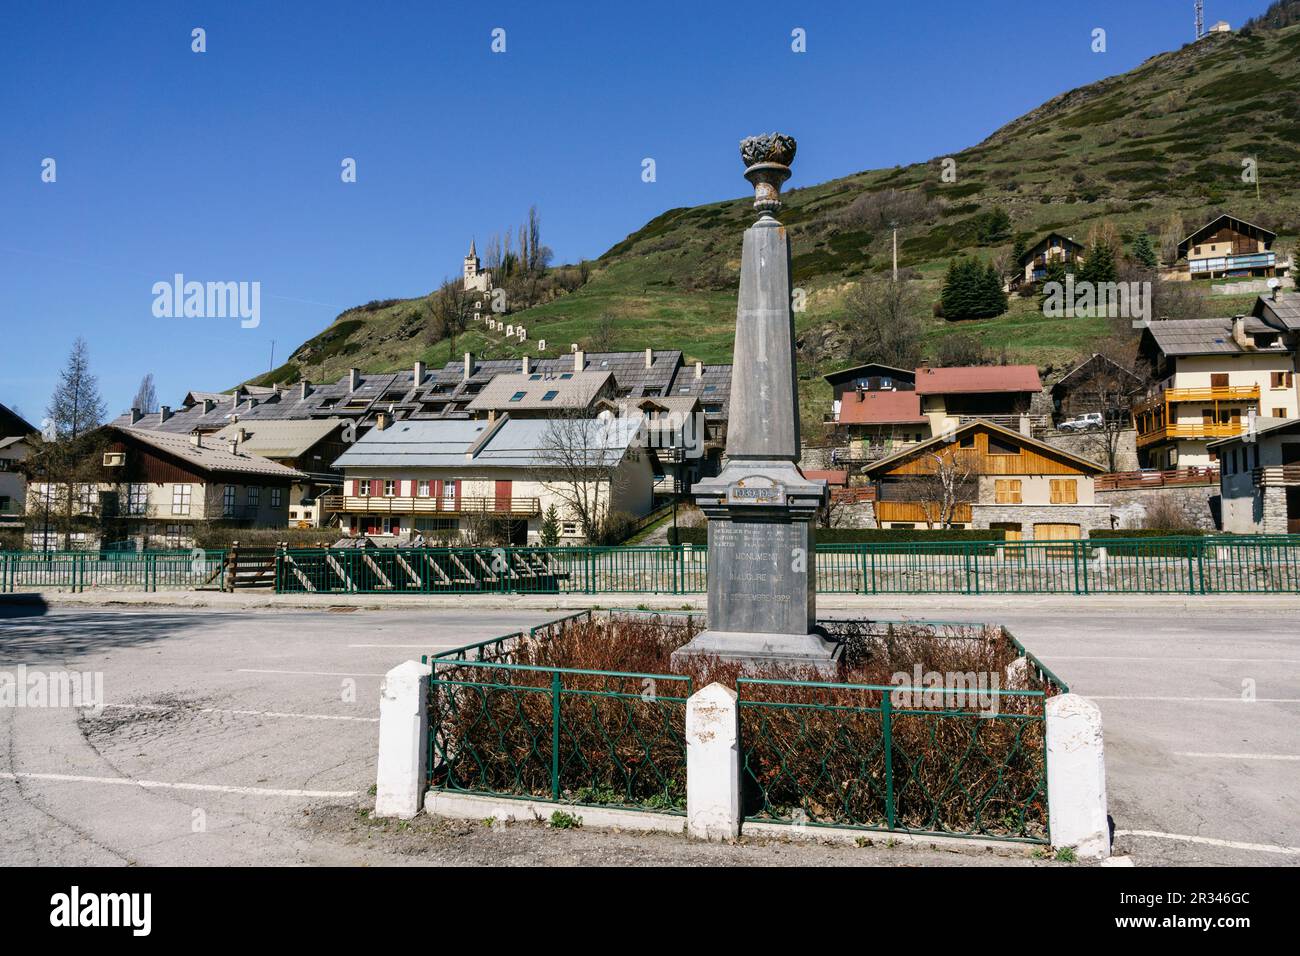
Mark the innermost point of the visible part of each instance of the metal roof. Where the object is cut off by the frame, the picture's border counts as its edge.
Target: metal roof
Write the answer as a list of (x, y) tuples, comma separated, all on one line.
[(1284, 311), (451, 443), (881, 408), (977, 379)]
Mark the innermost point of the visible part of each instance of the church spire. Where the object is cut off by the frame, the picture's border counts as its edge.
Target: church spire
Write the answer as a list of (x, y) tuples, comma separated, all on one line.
[(472, 253)]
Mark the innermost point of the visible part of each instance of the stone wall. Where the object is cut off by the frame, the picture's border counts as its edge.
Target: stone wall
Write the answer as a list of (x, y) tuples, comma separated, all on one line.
[(1199, 504), (856, 515), (1092, 446), (1086, 517), (1274, 517)]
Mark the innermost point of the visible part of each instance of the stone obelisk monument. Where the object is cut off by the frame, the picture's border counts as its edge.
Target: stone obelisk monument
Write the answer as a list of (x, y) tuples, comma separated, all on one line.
[(761, 509)]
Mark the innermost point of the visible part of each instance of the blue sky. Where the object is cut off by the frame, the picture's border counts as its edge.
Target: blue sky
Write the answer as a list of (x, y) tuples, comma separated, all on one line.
[(224, 166)]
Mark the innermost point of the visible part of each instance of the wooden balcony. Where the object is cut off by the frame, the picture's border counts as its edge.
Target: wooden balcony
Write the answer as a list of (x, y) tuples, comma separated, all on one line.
[(378, 505), (1118, 480), (1278, 475), (1190, 430), (1223, 393)]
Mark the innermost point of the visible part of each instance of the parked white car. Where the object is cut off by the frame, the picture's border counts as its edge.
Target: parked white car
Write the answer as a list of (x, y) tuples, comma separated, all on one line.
[(1082, 423)]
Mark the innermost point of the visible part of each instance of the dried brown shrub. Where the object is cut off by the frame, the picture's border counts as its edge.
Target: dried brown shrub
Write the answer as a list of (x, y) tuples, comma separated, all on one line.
[(810, 753)]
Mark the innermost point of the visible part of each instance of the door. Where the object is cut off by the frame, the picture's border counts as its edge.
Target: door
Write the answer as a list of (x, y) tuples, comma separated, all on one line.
[(1056, 532), (1012, 533), (448, 495), (504, 493)]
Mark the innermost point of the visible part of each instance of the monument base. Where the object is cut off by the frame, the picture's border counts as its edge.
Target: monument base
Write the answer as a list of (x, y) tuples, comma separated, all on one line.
[(754, 649)]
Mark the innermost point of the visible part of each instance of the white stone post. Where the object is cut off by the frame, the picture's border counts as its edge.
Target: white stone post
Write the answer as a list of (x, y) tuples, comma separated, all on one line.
[(1076, 776), (713, 764), (403, 740)]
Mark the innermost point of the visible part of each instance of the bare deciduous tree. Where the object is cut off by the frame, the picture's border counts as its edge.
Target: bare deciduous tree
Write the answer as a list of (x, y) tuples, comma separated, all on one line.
[(146, 398), (951, 478), (883, 323), (578, 461)]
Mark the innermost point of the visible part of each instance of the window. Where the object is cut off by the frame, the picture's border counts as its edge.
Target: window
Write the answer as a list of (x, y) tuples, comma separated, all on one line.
[(422, 489), (1281, 379), (1279, 413), (254, 497), (228, 501), (569, 529), (1219, 380), (180, 500), (1065, 491), (292, 514), (275, 497), (1007, 491), (4, 504), (426, 525), (1000, 446), (518, 396), (172, 534), (137, 499), (363, 488), (966, 441), (550, 396), (390, 487)]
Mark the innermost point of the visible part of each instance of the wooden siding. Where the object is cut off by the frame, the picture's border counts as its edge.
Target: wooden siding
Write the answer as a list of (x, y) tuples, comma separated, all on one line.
[(1030, 461), (919, 512)]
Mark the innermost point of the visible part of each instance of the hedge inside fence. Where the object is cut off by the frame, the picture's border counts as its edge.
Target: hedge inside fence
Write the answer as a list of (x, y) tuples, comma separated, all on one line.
[(699, 536), (1145, 533), (809, 753)]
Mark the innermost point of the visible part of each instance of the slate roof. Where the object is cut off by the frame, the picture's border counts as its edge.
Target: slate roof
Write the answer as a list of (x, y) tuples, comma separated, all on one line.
[(567, 390), (1283, 313), (279, 438), (1201, 336), (209, 458)]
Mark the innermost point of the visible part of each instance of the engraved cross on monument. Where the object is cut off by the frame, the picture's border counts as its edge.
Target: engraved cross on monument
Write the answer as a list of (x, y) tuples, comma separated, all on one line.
[(761, 509)]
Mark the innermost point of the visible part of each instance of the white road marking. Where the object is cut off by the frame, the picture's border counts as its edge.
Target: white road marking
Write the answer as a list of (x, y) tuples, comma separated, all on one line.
[(164, 785), (1211, 841), (1194, 753), (1228, 700), (1163, 660), (242, 713), (250, 670)]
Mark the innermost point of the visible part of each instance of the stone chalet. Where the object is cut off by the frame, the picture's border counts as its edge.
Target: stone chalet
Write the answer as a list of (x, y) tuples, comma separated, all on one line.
[(1259, 478)]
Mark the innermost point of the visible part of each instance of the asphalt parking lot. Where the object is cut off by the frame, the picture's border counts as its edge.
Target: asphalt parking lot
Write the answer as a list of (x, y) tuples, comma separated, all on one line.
[(224, 728)]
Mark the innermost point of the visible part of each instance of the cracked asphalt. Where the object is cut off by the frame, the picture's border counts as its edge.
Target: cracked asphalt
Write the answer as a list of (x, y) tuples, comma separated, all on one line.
[(246, 737)]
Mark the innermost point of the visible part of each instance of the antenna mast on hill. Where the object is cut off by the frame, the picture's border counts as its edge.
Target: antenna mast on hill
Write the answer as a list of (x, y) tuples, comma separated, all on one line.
[(1200, 18)]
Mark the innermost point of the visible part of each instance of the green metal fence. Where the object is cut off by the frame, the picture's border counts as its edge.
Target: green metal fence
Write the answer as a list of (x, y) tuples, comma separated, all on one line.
[(1190, 565), (604, 738), (79, 570), (849, 755)]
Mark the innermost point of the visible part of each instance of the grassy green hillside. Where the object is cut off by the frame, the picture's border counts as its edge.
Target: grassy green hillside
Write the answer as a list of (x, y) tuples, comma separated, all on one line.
[(1131, 150)]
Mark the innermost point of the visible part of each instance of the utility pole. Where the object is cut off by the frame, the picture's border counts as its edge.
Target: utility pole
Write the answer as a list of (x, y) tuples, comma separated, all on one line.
[(271, 367), (894, 225)]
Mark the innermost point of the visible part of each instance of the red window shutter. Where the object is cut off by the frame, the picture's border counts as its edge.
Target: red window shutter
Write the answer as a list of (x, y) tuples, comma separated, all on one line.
[(437, 489), (377, 487)]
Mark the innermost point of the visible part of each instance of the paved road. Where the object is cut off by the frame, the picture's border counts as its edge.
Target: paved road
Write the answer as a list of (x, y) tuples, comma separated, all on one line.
[(246, 723)]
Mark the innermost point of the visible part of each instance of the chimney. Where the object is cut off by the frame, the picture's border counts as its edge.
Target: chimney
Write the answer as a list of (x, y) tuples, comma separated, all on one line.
[(381, 421), (234, 399), (649, 357), (240, 435), (354, 379), (164, 413), (1277, 291), (419, 374), (579, 360), (525, 366), (208, 405), (304, 389), (233, 444), (469, 365), (136, 415), (196, 439), (1239, 332), (699, 371)]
